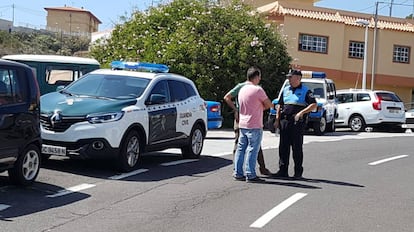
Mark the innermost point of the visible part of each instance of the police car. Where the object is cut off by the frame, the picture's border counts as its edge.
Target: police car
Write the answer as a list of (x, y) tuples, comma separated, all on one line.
[(123, 112), (323, 118)]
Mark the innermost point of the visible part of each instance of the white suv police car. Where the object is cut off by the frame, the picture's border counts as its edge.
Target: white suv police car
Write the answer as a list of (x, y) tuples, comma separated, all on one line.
[(122, 113), (323, 118)]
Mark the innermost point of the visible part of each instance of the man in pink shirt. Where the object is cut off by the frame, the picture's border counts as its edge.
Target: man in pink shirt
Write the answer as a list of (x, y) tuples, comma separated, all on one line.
[(252, 102)]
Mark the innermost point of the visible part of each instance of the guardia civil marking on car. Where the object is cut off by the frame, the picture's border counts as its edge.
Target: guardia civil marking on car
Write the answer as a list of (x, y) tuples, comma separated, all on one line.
[(123, 112)]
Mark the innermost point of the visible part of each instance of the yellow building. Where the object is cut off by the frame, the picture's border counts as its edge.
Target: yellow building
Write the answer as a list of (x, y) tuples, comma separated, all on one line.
[(328, 40), (71, 20)]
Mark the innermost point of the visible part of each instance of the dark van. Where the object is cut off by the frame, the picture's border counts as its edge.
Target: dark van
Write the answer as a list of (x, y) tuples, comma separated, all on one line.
[(20, 140), (54, 70)]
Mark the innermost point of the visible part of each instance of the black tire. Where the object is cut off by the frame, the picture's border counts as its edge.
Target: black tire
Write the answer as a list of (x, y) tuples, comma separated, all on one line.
[(356, 123), (330, 127), (320, 127), (194, 145), (27, 166), (130, 152)]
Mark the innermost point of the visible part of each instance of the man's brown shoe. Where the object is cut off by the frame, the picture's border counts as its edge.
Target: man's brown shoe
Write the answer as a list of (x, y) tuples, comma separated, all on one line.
[(265, 172)]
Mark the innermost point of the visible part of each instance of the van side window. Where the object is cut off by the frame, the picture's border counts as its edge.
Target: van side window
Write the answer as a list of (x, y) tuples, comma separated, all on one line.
[(61, 75), (10, 90)]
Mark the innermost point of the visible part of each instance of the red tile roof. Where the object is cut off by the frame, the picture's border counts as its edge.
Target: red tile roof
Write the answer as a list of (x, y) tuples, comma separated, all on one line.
[(333, 15), (73, 9)]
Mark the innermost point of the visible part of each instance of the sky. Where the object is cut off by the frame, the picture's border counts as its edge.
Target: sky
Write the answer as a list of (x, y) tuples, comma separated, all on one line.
[(31, 13)]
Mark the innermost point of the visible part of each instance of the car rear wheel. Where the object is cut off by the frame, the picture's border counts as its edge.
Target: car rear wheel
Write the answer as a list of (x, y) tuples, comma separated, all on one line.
[(356, 123), (27, 166), (195, 144), (130, 152)]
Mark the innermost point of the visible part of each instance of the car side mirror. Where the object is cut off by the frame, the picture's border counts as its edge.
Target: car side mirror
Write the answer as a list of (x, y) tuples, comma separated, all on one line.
[(60, 87), (156, 99)]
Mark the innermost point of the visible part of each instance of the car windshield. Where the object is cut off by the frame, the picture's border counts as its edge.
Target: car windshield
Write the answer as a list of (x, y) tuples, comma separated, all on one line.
[(316, 88), (108, 86)]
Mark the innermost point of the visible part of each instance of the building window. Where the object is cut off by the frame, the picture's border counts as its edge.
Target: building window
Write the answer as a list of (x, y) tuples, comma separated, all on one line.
[(313, 43), (401, 54), (356, 50)]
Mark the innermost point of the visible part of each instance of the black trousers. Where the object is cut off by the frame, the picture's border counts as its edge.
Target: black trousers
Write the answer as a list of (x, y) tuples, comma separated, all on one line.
[(291, 136)]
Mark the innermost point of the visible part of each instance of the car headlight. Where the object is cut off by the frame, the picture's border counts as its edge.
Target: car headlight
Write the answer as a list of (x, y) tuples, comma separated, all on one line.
[(104, 117)]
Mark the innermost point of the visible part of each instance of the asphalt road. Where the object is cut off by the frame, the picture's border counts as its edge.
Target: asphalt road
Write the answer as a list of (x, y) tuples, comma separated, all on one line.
[(353, 182)]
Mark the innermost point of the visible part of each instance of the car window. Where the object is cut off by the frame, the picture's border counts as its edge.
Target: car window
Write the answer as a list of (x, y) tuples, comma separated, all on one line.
[(10, 87), (345, 98), (111, 86), (363, 97), (190, 90), (388, 97), (178, 90), (161, 88)]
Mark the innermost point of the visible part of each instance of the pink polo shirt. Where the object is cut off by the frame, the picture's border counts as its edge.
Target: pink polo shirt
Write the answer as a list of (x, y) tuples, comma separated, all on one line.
[(251, 98)]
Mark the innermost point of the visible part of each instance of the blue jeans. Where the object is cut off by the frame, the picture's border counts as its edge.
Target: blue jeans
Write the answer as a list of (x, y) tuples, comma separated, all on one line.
[(246, 153)]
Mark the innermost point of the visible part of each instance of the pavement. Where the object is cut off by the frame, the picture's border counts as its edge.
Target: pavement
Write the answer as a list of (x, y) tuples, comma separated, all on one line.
[(220, 142)]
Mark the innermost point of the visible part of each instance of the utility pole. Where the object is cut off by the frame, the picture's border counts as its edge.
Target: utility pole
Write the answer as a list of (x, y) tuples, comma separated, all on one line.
[(392, 2), (374, 46), (13, 15)]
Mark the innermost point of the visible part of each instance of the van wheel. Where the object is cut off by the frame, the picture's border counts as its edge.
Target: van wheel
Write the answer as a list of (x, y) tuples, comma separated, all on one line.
[(27, 166), (356, 123), (320, 127), (129, 152), (195, 144)]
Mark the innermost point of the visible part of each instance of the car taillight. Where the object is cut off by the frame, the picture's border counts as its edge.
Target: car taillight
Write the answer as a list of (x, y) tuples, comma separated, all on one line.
[(377, 104), (215, 108)]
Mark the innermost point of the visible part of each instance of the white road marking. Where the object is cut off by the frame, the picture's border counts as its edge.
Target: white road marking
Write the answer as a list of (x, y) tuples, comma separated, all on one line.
[(178, 162), (388, 159), (124, 175), (3, 207), (70, 190), (267, 217)]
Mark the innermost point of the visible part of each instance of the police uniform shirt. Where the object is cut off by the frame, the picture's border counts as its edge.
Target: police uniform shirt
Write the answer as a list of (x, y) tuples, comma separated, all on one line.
[(292, 109)]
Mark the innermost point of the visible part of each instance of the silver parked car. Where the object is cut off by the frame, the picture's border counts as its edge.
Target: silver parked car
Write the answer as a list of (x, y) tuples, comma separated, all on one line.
[(359, 108)]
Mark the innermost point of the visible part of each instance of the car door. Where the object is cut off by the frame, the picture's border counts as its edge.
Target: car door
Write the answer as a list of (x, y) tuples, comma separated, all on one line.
[(162, 114), (12, 114), (345, 101)]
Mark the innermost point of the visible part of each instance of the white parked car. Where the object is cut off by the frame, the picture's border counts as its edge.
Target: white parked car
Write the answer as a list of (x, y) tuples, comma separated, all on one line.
[(409, 116), (358, 108), (120, 114)]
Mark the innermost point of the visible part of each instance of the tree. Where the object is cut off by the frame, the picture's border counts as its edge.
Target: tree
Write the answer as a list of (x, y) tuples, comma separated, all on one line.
[(211, 44)]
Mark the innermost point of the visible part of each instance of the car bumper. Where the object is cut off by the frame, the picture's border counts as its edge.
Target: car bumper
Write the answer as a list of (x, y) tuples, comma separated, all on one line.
[(214, 123), (85, 148), (112, 132)]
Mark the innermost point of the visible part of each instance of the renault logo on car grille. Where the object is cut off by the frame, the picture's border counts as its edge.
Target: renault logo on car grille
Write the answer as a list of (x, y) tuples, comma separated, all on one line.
[(56, 118)]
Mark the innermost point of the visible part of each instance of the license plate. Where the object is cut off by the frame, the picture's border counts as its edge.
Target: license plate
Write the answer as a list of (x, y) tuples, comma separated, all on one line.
[(394, 111), (53, 150)]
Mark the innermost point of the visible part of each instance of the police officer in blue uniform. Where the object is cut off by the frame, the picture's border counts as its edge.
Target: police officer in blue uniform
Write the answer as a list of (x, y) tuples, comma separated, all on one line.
[(295, 103)]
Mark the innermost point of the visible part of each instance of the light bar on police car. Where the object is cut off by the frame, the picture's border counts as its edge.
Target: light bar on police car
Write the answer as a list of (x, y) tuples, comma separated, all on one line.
[(151, 67), (312, 74)]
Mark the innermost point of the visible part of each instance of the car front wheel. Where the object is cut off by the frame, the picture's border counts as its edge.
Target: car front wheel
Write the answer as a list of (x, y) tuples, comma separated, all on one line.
[(195, 144), (129, 152), (27, 166)]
